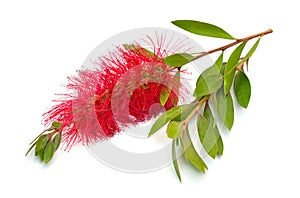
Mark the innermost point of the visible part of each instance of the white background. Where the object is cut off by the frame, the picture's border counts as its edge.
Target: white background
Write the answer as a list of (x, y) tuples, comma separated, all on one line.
[(43, 42)]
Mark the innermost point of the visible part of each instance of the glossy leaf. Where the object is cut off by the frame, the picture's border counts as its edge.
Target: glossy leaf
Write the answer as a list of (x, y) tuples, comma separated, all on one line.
[(219, 62), (225, 108), (175, 162), (174, 129), (165, 118), (231, 67), (201, 28), (41, 142), (207, 84), (48, 152), (178, 60), (191, 154), (252, 50), (242, 89), (57, 140)]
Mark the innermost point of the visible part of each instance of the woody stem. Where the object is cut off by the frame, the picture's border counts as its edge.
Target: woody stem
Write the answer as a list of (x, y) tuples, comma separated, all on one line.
[(233, 43)]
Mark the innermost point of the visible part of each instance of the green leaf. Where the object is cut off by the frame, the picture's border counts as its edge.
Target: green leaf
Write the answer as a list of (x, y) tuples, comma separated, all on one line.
[(207, 84), (48, 152), (231, 67), (40, 154), (219, 142), (165, 118), (165, 92), (137, 49), (191, 154), (178, 60), (242, 89), (186, 109), (164, 95), (252, 50), (41, 142), (56, 125), (174, 129), (222, 71), (219, 62), (225, 108), (30, 148), (201, 28), (175, 163), (57, 140), (212, 122), (213, 70), (207, 136)]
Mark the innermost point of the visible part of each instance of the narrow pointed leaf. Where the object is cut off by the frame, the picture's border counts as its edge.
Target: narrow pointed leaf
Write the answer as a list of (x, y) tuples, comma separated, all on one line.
[(252, 50), (174, 129), (212, 121), (164, 95), (30, 148), (219, 62), (201, 28), (242, 89), (231, 67), (186, 109), (207, 136), (175, 162), (165, 92), (178, 60), (225, 108), (220, 144), (165, 118), (191, 154)]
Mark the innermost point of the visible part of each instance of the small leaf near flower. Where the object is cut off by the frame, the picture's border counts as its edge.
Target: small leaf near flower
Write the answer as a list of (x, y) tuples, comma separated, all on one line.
[(56, 125), (178, 60), (165, 118), (138, 49)]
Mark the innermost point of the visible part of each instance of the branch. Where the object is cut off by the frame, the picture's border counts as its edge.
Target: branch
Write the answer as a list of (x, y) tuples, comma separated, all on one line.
[(233, 43)]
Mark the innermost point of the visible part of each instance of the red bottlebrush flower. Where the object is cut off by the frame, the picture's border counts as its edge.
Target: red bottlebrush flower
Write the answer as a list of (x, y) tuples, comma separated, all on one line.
[(124, 90)]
